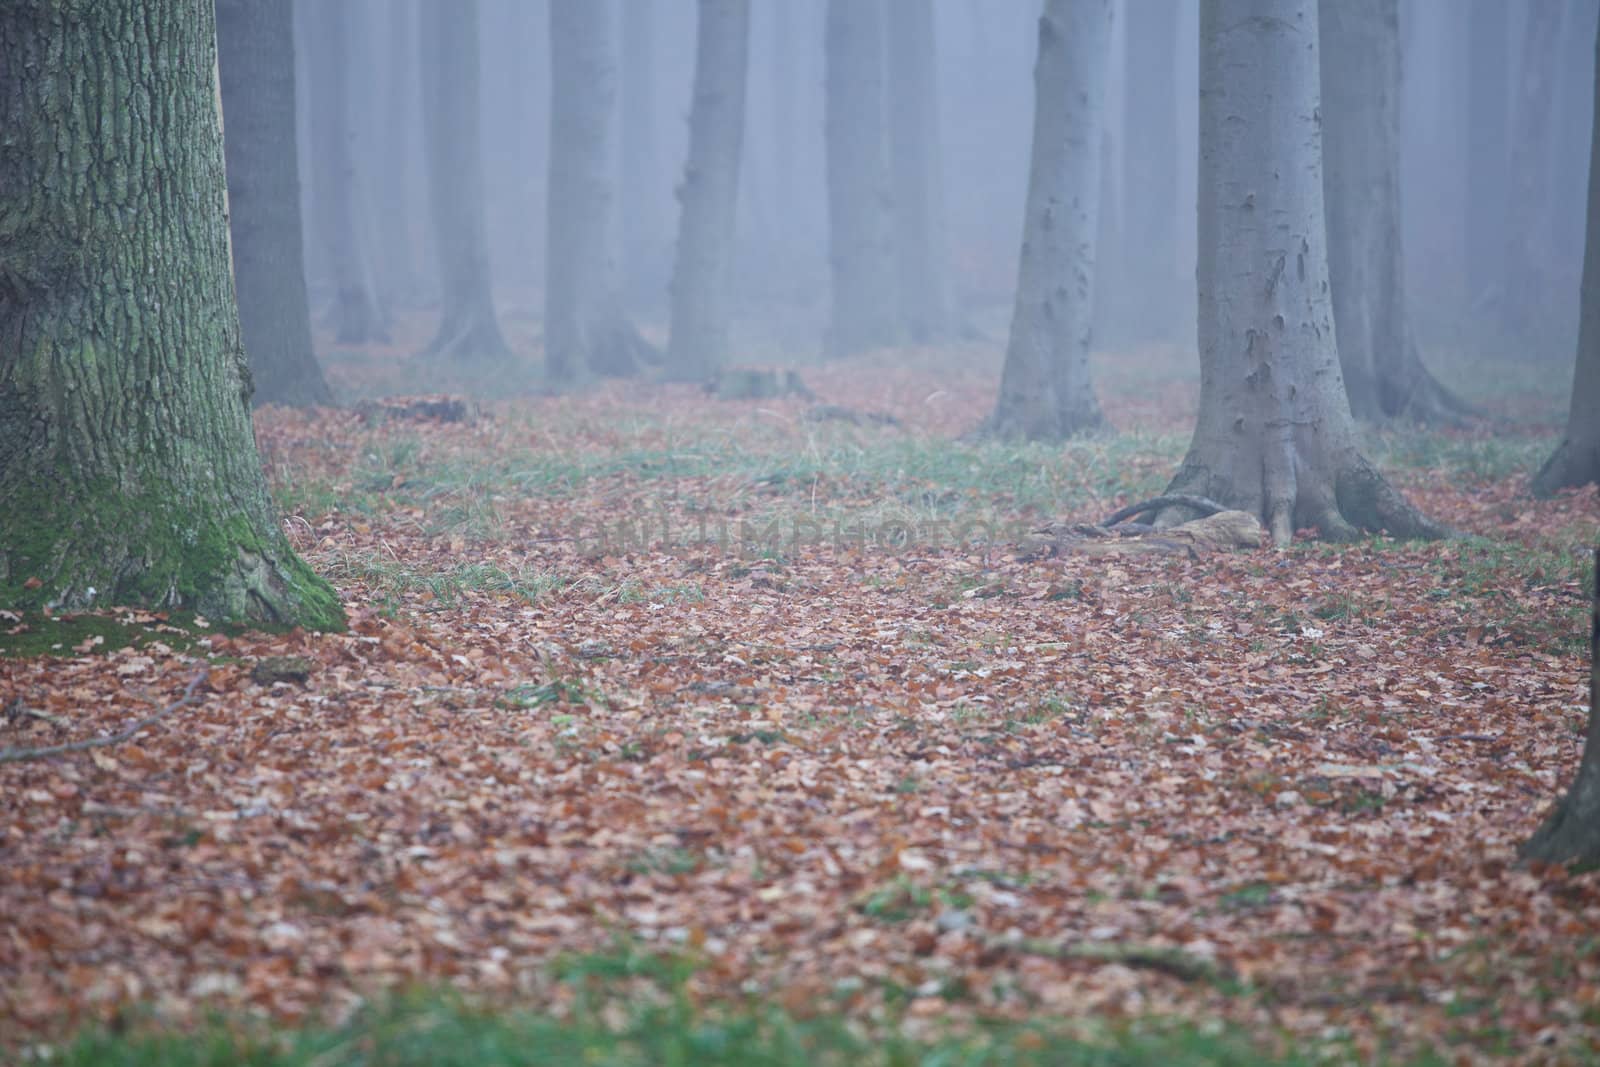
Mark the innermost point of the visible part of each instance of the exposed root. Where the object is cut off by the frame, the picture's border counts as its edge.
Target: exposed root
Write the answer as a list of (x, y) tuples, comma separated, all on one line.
[(1204, 506)]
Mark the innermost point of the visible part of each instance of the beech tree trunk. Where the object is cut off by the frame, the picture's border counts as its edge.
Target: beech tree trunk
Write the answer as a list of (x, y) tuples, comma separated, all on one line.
[(584, 327), (644, 236), (255, 46), (1571, 833), (1576, 461), (860, 242), (710, 191), (1045, 390), (916, 168), (1488, 157), (356, 316), (127, 462), (1383, 371), (1149, 276), (1275, 436), (468, 330), (1527, 280)]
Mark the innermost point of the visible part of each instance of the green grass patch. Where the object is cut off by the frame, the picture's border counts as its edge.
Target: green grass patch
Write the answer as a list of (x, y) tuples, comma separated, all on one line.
[(25, 635)]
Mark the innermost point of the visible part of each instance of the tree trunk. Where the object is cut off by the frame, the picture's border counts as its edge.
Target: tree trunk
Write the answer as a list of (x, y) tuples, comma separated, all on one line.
[(1576, 460), (1045, 391), (1383, 371), (1488, 105), (643, 236), (917, 168), (860, 243), (127, 462), (394, 192), (1275, 436), (710, 191), (1527, 281), (255, 45), (584, 328), (468, 330), (1571, 833), (1150, 279), (356, 315)]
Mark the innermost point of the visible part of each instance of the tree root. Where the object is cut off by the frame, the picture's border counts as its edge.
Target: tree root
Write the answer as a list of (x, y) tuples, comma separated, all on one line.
[(1204, 505)]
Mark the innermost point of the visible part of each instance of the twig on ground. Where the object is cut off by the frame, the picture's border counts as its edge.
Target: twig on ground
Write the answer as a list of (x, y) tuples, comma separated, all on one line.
[(188, 699)]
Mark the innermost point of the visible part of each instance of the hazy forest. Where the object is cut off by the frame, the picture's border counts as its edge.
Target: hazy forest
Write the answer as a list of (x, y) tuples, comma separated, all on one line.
[(787, 532)]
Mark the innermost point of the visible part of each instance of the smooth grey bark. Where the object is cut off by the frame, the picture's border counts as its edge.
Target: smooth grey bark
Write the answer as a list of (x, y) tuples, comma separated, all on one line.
[(1275, 436), (1488, 155), (1045, 389), (128, 464), (394, 194), (643, 229), (1383, 372), (356, 315), (1149, 279), (860, 241), (255, 54), (1527, 279), (916, 168), (1576, 461), (710, 191), (1571, 832), (584, 327), (468, 329)]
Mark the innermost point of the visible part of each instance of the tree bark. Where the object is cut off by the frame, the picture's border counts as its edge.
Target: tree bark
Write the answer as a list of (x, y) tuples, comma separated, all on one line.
[(1383, 371), (468, 329), (1275, 436), (584, 327), (1576, 461), (1045, 389), (1488, 158), (1527, 281), (398, 204), (1571, 833), (255, 45), (860, 242), (710, 191), (356, 316), (1148, 307), (917, 169), (643, 229), (127, 461)]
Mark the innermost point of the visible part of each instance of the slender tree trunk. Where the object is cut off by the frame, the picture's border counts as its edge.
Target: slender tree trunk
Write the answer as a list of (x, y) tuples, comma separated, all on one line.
[(356, 316), (710, 191), (1045, 391), (1383, 371), (1488, 103), (468, 329), (127, 462), (1151, 281), (394, 191), (860, 239), (643, 236), (1275, 436), (255, 44), (1527, 280), (917, 168), (584, 327), (1571, 833), (1576, 460)]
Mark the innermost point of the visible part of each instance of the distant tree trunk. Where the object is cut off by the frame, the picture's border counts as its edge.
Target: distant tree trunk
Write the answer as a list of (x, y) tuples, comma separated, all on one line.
[(1527, 279), (643, 237), (860, 241), (1275, 436), (356, 316), (1383, 371), (449, 63), (916, 166), (1571, 833), (393, 192), (1488, 158), (584, 327), (1150, 278), (710, 191), (127, 462), (1045, 391), (1576, 460), (255, 45)]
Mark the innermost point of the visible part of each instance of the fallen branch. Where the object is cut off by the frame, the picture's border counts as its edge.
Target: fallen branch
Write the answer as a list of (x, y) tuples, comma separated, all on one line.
[(1171, 961), (1204, 505), (188, 699)]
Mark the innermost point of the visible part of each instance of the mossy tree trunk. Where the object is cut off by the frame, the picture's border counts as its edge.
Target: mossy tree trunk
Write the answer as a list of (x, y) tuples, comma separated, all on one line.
[(468, 329), (127, 463), (1275, 436), (255, 45), (710, 192), (1571, 834), (1576, 461), (1045, 389)]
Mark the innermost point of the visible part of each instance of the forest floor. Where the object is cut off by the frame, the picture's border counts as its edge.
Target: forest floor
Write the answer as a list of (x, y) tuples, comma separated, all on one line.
[(760, 691)]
